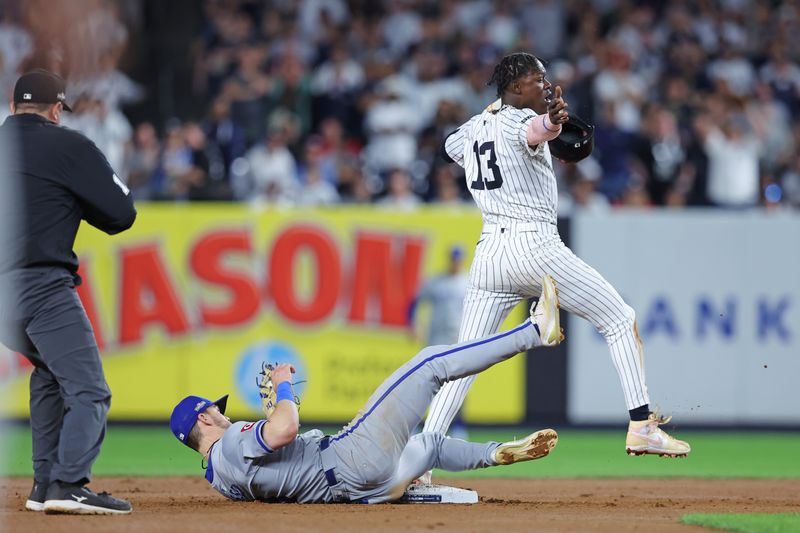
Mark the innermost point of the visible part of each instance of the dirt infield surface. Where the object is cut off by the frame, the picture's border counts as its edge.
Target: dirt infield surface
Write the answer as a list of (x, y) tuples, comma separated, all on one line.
[(189, 504)]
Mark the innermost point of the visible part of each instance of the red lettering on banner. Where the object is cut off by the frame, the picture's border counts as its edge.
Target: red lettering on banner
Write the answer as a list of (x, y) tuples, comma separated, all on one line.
[(390, 278), (87, 299), (147, 295), (328, 268), (206, 262)]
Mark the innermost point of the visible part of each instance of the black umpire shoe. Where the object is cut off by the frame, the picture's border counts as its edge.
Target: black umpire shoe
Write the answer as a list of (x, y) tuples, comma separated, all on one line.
[(36, 499), (73, 498)]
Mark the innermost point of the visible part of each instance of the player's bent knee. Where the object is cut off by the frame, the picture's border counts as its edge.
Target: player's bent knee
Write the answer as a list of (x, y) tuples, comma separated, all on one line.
[(620, 322)]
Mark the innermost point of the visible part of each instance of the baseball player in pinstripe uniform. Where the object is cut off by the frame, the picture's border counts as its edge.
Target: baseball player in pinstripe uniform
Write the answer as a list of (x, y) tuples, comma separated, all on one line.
[(509, 172), (373, 458)]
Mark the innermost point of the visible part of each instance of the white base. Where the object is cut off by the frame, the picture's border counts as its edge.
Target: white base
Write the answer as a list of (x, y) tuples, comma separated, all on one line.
[(438, 494)]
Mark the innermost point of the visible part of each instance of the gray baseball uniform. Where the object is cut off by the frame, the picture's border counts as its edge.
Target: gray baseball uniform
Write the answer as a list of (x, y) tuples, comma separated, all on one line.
[(374, 458), (514, 186)]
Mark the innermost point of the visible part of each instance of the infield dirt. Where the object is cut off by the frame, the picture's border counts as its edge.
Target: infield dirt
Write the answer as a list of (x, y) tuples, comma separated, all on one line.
[(568, 505)]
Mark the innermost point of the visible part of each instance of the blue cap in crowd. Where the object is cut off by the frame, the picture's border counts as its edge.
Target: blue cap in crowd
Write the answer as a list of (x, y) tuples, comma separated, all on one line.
[(456, 252), (185, 414)]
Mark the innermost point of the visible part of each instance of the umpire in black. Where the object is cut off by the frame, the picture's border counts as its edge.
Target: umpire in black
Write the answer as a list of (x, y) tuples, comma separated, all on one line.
[(60, 178)]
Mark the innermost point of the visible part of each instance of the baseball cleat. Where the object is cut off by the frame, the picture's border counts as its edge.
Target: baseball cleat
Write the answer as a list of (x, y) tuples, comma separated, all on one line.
[(73, 498), (544, 313), (35, 501), (534, 446), (646, 438)]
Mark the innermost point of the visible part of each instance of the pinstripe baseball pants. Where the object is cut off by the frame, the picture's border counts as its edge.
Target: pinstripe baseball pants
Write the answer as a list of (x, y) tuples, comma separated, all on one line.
[(509, 263)]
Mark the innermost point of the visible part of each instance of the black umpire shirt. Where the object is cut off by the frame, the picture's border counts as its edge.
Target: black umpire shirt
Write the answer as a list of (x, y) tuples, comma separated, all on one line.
[(61, 178)]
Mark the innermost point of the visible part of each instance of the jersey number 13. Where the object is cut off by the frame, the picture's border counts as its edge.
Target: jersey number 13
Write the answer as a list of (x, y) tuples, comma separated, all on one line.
[(489, 176)]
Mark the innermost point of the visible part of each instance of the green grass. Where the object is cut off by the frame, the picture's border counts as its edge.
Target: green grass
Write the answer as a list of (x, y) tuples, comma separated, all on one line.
[(153, 451), (747, 523)]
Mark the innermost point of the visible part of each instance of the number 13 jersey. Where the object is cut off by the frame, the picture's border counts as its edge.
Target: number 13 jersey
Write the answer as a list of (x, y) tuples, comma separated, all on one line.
[(509, 180)]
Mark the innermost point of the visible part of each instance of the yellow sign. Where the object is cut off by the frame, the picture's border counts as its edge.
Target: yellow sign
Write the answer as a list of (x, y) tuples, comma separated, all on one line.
[(195, 297)]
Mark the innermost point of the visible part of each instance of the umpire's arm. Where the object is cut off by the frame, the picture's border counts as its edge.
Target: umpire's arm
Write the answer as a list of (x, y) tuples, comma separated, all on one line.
[(105, 200)]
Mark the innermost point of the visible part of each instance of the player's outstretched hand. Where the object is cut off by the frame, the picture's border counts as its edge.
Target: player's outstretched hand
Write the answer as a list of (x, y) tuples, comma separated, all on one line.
[(557, 109), (270, 378), (283, 372)]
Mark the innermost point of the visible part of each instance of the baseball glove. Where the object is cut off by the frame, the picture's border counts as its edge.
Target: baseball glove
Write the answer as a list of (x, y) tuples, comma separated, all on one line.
[(266, 389)]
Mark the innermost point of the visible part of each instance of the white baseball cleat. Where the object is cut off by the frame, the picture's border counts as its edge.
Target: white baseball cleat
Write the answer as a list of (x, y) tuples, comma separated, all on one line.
[(645, 437), (544, 313), (534, 446)]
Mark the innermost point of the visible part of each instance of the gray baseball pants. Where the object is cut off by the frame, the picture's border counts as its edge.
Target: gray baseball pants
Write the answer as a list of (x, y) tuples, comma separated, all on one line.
[(42, 318), (376, 457)]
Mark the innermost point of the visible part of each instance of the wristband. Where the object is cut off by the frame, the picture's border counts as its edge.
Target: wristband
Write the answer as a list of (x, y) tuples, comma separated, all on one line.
[(284, 392), (544, 123)]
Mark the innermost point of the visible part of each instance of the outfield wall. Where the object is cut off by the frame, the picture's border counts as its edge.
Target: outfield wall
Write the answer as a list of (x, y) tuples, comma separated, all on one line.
[(716, 295), (195, 296)]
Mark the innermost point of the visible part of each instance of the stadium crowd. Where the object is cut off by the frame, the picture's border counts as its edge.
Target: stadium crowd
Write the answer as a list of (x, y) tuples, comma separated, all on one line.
[(318, 102)]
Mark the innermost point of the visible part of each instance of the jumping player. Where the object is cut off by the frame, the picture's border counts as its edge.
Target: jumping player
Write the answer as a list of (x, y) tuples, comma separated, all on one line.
[(374, 458), (509, 173)]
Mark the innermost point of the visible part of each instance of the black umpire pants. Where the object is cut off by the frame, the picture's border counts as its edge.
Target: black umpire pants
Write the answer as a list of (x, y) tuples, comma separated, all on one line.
[(42, 317)]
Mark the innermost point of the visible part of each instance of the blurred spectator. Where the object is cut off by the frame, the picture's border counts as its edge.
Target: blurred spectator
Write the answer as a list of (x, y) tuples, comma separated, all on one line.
[(16, 45), (399, 194), (659, 152), (612, 146), (617, 84), (335, 84), (544, 21), (783, 77), (401, 27), (334, 149), (367, 87), (733, 150), (352, 187), (170, 178), (143, 160), (272, 170), (392, 123), (582, 195), (447, 185), (733, 72), (316, 191), (206, 179), (224, 133), (291, 90), (247, 91)]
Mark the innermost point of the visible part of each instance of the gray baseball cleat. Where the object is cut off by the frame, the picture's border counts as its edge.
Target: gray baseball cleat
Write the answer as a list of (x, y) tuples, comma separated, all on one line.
[(544, 313)]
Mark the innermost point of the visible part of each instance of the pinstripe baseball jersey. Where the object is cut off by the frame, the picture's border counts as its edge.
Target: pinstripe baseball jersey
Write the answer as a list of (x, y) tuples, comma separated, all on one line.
[(515, 188), (526, 176)]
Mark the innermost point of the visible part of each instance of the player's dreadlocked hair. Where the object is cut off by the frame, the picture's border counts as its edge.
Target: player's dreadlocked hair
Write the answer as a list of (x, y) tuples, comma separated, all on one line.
[(512, 67)]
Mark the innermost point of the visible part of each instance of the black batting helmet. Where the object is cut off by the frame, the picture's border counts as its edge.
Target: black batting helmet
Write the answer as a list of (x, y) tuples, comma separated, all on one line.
[(575, 142)]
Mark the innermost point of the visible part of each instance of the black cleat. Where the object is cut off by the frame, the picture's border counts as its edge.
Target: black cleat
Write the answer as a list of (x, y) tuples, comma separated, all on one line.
[(73, 498), (36, 499)]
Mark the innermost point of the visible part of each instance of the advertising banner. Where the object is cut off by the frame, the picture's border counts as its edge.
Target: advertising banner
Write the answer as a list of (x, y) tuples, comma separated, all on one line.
[(717, 297), (195, 297)]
